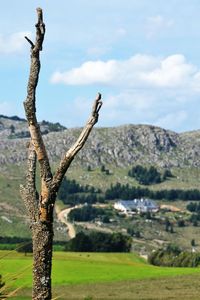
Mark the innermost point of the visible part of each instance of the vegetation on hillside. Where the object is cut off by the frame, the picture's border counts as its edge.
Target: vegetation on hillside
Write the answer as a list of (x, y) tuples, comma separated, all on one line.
[(53, 127), (24, 244), (71, 192), (45, 128), (194, 207), (144, 175), (13, 118), (99, 242), (89, 213), (173, 256), (119, 191)]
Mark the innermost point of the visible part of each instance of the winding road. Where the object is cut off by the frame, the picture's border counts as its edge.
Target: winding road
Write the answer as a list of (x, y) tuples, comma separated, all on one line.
[(63, 217)]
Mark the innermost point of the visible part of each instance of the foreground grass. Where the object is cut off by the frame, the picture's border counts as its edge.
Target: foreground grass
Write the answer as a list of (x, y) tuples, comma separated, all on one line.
[(181, 287), (83, 268)]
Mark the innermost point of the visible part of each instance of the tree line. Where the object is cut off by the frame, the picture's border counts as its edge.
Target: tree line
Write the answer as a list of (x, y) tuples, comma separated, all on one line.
[(72, 193), (172, 256), (99, 242), (21, 244), (91, 242), (119, 191)]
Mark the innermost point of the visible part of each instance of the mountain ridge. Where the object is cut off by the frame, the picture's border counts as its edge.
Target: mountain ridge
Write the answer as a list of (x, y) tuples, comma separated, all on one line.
[(120, 146)]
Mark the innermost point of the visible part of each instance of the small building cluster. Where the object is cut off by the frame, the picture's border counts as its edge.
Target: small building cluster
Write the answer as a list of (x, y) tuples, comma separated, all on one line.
[(136, 206)]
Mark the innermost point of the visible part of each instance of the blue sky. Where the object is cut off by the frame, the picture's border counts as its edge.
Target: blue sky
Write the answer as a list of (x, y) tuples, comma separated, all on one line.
[(143, 56)]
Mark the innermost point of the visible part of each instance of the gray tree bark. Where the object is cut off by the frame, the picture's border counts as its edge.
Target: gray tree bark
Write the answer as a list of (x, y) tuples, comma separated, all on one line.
[(40, 206)]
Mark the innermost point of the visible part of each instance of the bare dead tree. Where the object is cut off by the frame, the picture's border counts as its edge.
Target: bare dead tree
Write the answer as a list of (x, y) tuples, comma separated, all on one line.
[(40, 206)]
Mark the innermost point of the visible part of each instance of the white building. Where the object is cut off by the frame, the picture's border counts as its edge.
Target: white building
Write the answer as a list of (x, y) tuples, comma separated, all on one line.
[(136, 205)]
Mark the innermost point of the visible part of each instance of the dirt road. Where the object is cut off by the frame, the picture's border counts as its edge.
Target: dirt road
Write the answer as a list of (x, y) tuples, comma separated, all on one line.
[(63, 217)]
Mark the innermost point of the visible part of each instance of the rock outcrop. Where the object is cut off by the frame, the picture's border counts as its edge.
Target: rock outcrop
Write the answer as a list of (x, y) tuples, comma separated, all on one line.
[(120, 146)]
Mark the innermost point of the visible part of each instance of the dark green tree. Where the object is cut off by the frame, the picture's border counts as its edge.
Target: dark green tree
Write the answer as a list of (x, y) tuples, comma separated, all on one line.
[(103, 168), (12, 129)]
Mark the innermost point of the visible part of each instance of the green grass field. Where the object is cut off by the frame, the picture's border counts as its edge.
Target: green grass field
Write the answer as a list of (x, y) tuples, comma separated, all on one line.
[(72, 270)]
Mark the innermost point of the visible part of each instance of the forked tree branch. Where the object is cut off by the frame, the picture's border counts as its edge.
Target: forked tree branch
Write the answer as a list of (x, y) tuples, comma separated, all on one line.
[(49, 186), (78, 145), (41, 208), (30, 109)]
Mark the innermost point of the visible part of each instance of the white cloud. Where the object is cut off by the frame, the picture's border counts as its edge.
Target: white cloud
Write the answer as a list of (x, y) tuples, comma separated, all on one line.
[(89, 73), (142, 89), (146, 107), (122, 108), (173, 71), (13, 43), (129, 107), (170, 110), (139, 71), (157, 24)]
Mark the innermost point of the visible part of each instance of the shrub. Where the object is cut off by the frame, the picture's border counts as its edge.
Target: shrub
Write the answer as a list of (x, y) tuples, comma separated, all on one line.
[(172, 256)]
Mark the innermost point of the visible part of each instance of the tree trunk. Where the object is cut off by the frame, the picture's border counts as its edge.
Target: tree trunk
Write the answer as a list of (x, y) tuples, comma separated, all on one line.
[(42, 260), (40, 207)]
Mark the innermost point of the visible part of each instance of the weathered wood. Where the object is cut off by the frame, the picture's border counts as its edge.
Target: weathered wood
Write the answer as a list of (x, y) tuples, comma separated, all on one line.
[(78, 145), (42, 260), (29, 192), (40, 207), (30, 109)]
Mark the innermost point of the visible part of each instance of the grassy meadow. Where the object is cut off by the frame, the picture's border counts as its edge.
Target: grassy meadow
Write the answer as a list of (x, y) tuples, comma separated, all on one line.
[(94, 275)]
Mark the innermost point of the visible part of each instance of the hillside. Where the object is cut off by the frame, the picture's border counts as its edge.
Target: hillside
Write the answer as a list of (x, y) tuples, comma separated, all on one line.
[(118, 146)]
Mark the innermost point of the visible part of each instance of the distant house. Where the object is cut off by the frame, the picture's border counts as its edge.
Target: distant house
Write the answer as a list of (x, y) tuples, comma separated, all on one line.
[(137, 205)]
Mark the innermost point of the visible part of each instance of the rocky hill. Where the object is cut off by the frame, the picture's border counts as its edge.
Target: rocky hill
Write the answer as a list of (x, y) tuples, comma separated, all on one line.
[(118, 146)]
